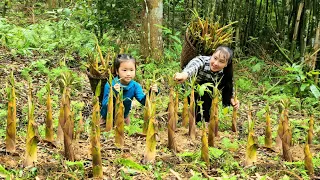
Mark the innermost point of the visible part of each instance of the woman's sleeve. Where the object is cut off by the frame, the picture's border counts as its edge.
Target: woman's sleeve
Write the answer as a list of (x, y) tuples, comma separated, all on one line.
[(193, 66), (139, 94), (104, 105)]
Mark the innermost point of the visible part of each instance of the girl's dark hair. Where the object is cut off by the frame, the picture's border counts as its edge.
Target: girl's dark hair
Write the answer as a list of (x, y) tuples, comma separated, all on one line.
[(121, 58), (226, 83)]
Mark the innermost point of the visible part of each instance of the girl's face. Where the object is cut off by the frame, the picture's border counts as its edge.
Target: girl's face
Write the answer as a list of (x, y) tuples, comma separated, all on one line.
[(126, 71), (218, 61)]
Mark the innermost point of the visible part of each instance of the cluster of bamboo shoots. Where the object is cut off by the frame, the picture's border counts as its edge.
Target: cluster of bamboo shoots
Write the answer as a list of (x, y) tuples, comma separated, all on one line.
[(207, 35), (284, 137), (101, 69)]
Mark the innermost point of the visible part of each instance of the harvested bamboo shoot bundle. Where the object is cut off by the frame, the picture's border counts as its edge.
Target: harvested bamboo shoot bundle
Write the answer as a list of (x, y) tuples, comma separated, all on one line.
[(11, 117)]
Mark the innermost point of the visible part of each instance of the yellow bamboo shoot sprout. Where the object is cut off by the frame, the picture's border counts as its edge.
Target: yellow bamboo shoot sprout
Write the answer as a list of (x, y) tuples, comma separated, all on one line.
[(176, 109), (185, 112), (213, 122), (205, 146), (308, 160), (12, 117), (280, 131), (109, 123), (215, 111), (150, 152), (310, 131), (268, 136), (49, 120), (67, 122), (192, 116), (32, 138), (234, 114), (80, 125), (146, 114), (251, 150), (61, 121), (95, 136), (119, 128), (287, 136), (100, 54), (171, 123)]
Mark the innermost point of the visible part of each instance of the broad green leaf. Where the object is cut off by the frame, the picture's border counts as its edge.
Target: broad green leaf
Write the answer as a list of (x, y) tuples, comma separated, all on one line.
[(131, 164), (315, 91), (215, 152)]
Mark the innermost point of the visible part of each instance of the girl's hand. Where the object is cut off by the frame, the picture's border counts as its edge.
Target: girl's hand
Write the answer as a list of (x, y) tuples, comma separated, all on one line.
[(235, 104), (180, 77), (117, 87), (154, 88)]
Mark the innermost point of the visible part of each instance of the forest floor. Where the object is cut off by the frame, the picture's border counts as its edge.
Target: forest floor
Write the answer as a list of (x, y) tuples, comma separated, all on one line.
[(227, 161)]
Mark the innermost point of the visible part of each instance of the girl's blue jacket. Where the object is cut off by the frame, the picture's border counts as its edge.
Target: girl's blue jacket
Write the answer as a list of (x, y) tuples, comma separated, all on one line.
[(133, 89)]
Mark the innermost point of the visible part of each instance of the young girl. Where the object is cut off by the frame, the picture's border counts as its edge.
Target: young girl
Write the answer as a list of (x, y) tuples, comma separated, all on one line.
[(125, 67), (211, 69)]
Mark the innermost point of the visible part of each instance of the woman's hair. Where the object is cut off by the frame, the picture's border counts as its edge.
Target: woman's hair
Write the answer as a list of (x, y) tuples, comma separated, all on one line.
[(122, 58), (226, 83), (225, 51)]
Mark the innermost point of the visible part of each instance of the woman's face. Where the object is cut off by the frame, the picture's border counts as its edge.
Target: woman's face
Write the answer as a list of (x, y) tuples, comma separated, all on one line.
[(218, 61), (126, 72)]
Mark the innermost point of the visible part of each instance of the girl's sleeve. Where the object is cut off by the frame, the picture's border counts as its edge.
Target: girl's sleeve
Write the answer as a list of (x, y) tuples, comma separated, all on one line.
[(194, 65), (139, 94), (104, 105)]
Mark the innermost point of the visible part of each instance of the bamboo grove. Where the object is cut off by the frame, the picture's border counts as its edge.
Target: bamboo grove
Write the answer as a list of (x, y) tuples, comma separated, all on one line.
[(208, 136), (291, 26)]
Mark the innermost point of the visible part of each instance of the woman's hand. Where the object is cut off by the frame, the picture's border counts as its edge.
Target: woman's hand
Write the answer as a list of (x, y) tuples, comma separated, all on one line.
[(180, 77), (154, 88), (117, 87), (234, 103)]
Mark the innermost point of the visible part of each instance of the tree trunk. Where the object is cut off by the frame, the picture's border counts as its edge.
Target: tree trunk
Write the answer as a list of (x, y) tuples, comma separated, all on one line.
[(295, 32), (315, 48), (304, 29), (151, 41)]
